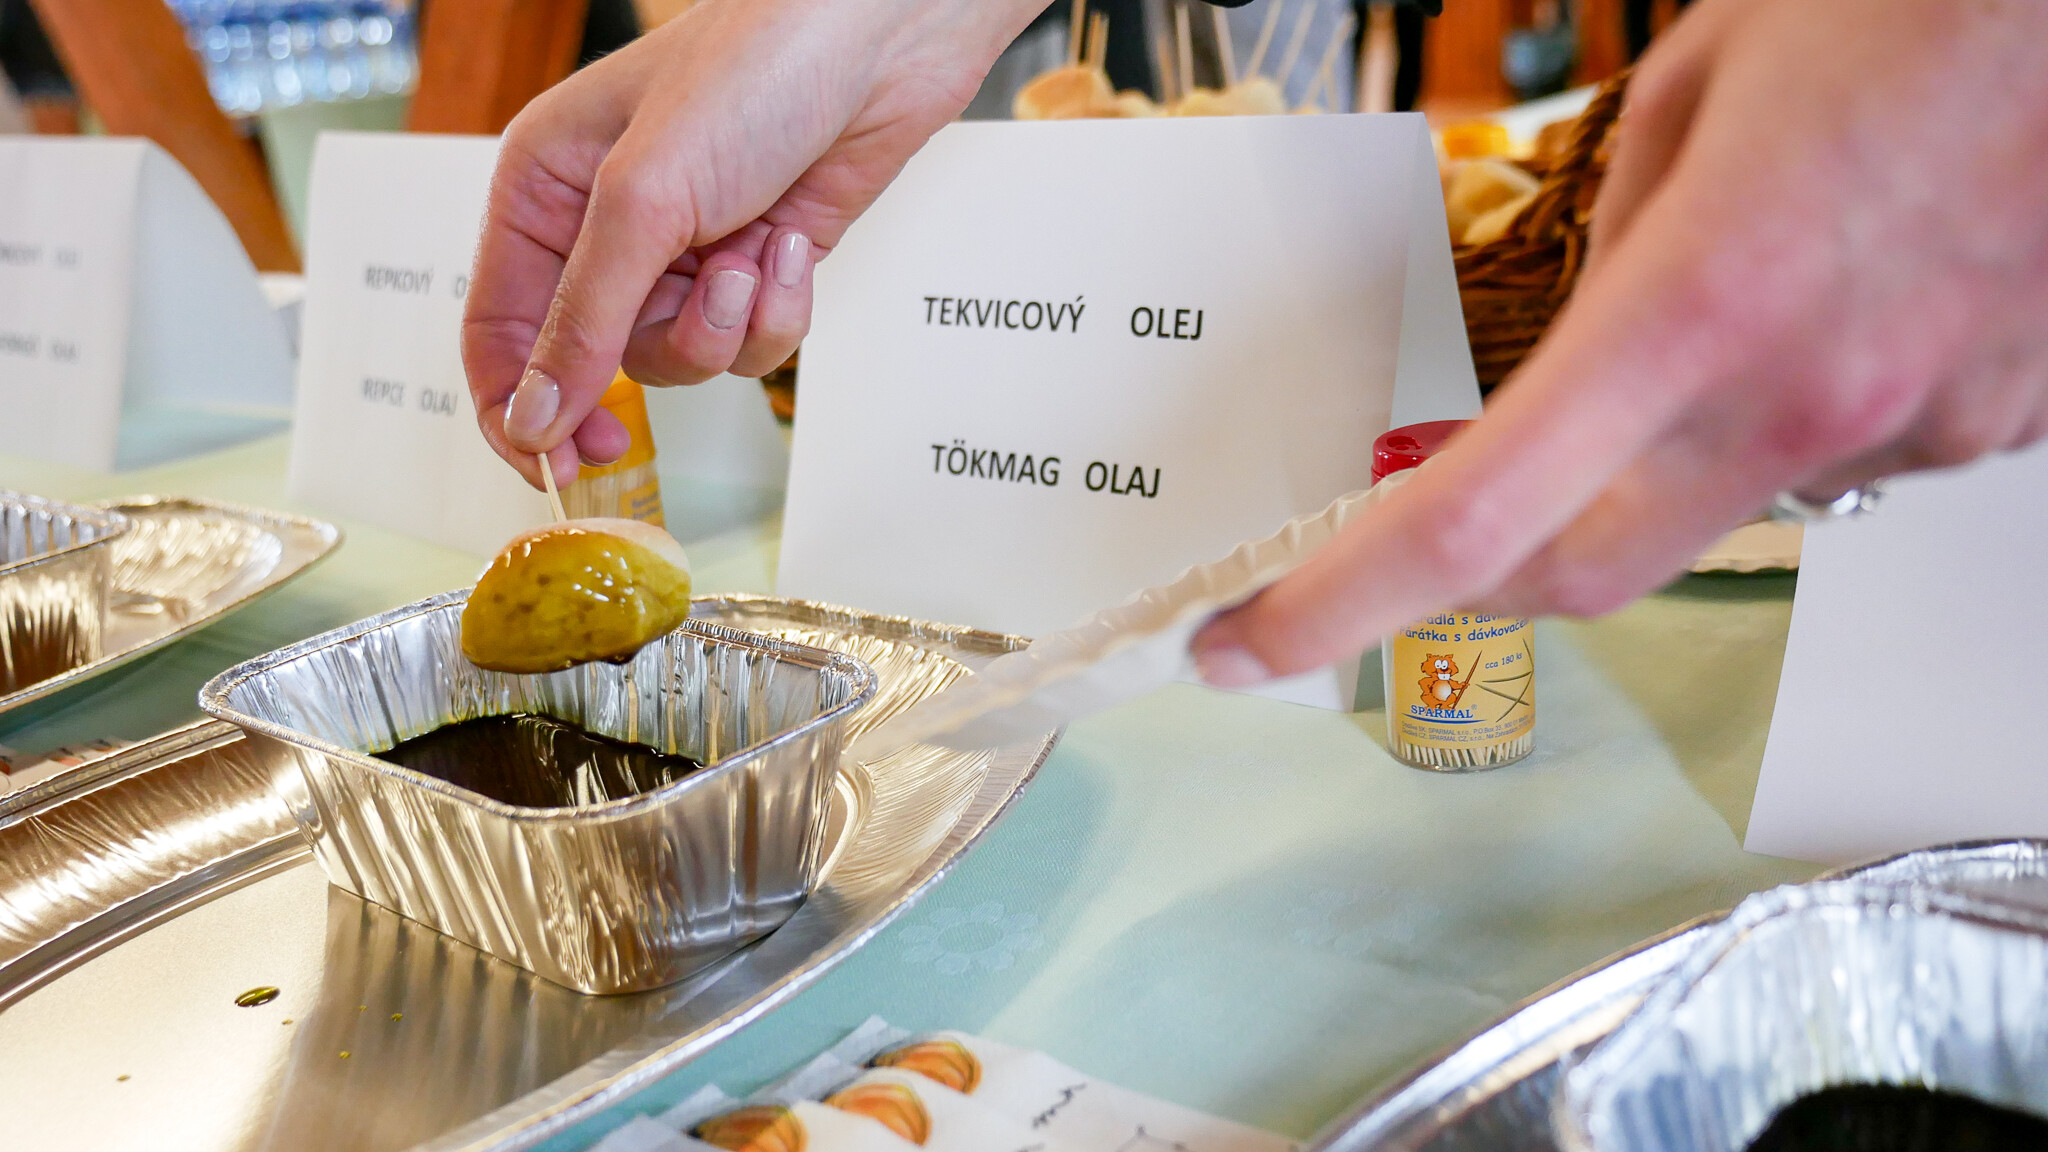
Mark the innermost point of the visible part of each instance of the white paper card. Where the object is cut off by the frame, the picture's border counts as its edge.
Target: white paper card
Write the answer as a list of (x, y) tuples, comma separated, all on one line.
[(385, 431), (1058, 362), (1911, 705), (721, 432), (132, 327)]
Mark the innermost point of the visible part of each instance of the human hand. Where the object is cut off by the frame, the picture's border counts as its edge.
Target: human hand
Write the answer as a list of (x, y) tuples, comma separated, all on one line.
[(663, 207), (1820, 256)]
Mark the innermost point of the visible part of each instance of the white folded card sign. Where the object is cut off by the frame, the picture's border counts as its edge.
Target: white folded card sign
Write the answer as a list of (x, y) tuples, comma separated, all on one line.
[(385, 431), (1914, 685), (132, 327), (1061, 361)]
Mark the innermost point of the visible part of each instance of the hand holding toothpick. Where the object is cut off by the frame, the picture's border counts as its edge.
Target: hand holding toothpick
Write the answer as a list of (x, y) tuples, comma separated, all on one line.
[(547, 479)]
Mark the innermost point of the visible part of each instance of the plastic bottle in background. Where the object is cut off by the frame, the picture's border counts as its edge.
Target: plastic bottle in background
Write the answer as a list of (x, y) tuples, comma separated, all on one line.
[(629, 487), (1461, 686)]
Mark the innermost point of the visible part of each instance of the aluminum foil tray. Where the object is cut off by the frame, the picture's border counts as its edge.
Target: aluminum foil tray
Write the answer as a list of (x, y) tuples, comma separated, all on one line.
[(1495, 1091), (141, 894), (55, 567), (1808, 986), (620, 896), (181, 565)]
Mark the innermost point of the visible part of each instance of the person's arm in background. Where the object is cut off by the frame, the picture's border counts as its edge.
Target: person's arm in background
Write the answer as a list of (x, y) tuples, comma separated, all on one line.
[(1820, 257), (664, 206)]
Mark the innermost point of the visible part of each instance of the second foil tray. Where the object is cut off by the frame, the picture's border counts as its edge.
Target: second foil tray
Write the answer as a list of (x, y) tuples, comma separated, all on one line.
[(183, 564), (140, 896), (1494, 1091)]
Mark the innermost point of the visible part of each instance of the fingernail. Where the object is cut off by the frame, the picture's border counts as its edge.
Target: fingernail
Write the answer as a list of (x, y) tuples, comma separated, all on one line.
[(533, 407), (727, 297), (1229, 666), (792, 256)]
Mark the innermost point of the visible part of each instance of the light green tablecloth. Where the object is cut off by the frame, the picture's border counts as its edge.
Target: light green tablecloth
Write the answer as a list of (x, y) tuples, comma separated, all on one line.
[(1242, 906)]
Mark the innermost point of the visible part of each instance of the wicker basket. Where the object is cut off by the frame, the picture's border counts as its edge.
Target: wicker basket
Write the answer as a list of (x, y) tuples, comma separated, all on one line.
[(1513, 285)]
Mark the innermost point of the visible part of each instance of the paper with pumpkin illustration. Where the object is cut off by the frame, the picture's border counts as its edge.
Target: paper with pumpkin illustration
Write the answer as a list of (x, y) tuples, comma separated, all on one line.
[(804, 1126), (935, 1117), (1072, 1108)]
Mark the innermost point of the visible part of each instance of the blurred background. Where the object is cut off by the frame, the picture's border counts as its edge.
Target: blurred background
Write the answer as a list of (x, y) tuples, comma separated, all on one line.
[(237, 90)]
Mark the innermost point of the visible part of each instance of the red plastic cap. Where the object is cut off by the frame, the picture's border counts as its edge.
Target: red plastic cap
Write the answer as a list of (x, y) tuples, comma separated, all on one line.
[(1406, 447)]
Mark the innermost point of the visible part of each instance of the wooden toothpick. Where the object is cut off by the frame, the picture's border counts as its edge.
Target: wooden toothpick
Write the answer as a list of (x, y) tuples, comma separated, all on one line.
[(1169, 88), (1224, 47), (1098, 40), (1266, 30), (1187, 48), (1077, 25), (547, 479), (1295, 40), (1326, 76)]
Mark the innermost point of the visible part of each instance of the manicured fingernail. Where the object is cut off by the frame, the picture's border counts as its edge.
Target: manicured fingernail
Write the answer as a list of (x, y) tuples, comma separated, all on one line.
[(726, 298), (533, 407), (1228, 666), (792, 256)]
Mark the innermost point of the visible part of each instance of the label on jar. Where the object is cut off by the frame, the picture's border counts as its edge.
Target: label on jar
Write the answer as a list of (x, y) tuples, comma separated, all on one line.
[(644, 503), (1462, 681)]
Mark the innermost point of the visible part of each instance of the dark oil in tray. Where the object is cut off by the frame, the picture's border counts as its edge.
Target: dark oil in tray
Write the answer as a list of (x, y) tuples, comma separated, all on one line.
[(1897, 1118), (538, 761)]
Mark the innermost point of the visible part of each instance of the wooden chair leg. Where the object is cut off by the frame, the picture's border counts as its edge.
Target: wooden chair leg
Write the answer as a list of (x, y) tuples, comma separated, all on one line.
[(1603, 45), (128, 58), (481, 61)]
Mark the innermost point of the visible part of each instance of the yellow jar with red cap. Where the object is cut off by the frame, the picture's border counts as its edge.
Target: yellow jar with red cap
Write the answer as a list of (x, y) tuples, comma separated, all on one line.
[(629, 487), (1461, 686)]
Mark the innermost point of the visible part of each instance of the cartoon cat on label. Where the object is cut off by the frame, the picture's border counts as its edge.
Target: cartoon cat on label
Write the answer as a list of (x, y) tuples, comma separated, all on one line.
[(1440, 686)]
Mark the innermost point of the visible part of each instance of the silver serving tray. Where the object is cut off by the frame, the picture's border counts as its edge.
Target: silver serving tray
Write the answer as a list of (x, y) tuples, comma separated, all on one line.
[(184, 564), (624, 894), (1494, 1092), (140, 894)]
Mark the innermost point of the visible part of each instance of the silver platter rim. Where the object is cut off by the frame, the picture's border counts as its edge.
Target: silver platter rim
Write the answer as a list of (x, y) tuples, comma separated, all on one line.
[(304, 542), (731, 994)]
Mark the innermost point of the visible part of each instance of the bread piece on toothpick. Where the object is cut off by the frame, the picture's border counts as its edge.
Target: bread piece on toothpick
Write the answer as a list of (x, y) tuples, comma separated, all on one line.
[(1132, 104), (1072, 92), (573, 592), (1204, 102), (1258, 96)]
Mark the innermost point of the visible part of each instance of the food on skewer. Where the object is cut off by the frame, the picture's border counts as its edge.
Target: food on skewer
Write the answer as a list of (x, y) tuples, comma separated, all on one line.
[(1256, 93), (1070, 92), (1078, 89), (1132, 104), (1326, 76), (1205, 102), (1081, 89), (1258, 96), (573, 592)]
